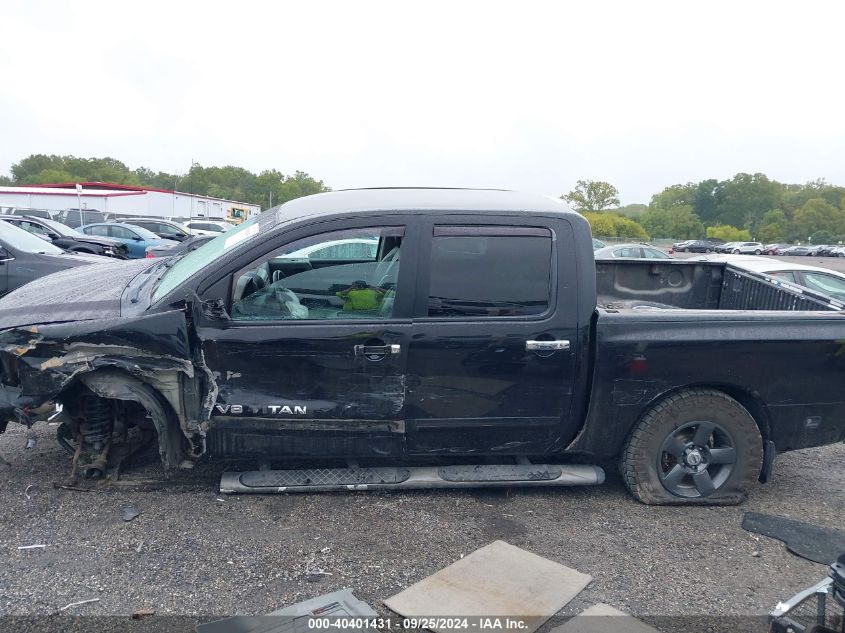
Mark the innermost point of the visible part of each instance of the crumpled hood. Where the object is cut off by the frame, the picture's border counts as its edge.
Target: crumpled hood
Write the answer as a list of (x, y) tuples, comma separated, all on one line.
[(75, 294)]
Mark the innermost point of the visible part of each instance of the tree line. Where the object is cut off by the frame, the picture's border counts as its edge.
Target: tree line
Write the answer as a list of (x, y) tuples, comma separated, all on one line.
[(745, 207), (267, 188)]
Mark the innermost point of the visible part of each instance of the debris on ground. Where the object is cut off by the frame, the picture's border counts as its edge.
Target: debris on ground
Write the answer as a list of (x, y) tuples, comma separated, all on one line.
[(818, 544), (295, 618), (38, 546), (496, 580), (127, 513), (76, 604), (143, 612), (602, 618)]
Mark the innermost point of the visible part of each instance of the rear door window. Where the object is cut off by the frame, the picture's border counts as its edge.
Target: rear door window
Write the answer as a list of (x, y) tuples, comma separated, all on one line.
[(490, 271)]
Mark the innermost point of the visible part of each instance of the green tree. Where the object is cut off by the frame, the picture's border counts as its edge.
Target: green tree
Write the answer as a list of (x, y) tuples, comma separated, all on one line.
[(230, 182), (773, 226), (592, 195), (612, 225), (674, 196), (818, 215), (745, 198), (706, 201), (678, 222), (729, 233)]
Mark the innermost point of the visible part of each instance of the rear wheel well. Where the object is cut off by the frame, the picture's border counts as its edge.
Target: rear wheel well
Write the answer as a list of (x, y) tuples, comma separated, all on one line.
[(751, 402)]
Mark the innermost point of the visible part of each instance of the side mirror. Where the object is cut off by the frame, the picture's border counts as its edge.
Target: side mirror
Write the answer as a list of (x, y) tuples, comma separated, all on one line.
[(215, 310), (5, 256), (136, 238)]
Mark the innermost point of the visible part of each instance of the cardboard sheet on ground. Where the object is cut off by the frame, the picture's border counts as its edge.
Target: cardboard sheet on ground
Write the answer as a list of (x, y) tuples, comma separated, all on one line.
[(601, 618), (498, 580)]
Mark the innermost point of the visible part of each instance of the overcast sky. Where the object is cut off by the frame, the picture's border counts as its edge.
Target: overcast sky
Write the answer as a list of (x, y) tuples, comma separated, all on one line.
[(519, 95)]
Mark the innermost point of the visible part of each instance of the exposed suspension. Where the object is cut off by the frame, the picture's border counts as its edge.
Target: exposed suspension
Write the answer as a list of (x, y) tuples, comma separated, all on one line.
[(97, 421)]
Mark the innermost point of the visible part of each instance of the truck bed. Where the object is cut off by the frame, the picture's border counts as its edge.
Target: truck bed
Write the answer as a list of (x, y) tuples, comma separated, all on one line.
[(637, 284)]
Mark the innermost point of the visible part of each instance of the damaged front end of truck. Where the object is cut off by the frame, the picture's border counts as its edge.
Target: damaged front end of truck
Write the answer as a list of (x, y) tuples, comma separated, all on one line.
[(114, 386)]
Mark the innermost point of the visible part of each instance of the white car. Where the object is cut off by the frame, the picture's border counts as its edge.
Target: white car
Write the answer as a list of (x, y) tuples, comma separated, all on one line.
[(821, 280), (747, 248), (352, 248), (206, 227)]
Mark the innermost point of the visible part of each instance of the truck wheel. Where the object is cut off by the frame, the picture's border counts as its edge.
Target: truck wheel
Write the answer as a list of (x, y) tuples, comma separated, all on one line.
[(698, 446)]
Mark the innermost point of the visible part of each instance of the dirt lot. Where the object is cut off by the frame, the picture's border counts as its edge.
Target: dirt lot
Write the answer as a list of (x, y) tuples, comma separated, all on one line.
[(195, 552)]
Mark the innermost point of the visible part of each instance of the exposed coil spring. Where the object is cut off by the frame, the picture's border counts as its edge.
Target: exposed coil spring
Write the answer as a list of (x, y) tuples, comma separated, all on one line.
[(97, 421)]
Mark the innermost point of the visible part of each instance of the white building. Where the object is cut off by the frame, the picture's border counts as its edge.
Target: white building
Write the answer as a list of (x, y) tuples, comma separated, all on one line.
[(124, 200)]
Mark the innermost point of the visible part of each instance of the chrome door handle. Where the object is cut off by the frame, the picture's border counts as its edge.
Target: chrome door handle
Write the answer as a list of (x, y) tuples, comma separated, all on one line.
[(546, 346), (377, 350)]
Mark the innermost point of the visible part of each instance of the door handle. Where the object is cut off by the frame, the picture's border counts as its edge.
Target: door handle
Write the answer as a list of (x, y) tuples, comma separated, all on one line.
[(376, 350), (546, 346)]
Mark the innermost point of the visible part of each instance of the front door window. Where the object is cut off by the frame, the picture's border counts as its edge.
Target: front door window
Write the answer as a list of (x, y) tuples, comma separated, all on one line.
[(340, 275)]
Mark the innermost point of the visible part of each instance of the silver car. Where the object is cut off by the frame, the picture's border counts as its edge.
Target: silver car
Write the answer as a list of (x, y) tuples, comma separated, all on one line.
[(631, 251), (747, 248)]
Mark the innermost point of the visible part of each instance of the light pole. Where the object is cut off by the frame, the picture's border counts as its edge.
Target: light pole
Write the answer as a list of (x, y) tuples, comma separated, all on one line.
[(79, 204)]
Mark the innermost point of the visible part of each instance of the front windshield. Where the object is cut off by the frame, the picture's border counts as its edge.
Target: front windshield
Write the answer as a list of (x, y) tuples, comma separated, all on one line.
[(204, 256), (58, 227), (24, 241)]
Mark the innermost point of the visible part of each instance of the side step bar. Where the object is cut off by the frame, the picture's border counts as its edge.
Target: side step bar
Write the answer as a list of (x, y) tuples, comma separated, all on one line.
[(412, 477)]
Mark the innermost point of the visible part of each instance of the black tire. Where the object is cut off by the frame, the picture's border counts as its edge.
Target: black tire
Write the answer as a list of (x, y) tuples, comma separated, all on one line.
[(647, 466), (708, 251), (757, 252), (736, 251)]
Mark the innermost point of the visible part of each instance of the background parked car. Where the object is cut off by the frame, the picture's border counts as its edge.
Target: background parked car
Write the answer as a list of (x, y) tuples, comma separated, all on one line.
[(352, 248), (24, 257), (826, 250), (74, 219), (206, 227), (725, 248), (34, 213), (190, 244), (630, 251), (165, 229), (695, 246), (775, 249), (136, 238), (815, 278), (798, 251), (747, 248), (68, 238)]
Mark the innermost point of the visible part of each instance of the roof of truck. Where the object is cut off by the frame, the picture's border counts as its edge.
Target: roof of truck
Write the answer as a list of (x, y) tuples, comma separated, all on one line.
[(419, 198)]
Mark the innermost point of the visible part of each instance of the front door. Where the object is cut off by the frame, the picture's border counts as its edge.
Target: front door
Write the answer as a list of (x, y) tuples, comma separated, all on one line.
[(492, 362), (311, 360)]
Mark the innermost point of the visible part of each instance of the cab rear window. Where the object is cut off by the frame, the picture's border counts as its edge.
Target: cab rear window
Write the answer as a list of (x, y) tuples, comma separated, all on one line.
[(490, 271)]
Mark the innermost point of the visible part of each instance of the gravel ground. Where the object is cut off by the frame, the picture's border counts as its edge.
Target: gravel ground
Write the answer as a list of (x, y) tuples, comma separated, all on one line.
[(194, 552), (832, 263)]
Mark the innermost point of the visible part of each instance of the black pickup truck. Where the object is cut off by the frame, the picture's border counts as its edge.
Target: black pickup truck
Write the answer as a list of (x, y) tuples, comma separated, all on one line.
[(428, 338)]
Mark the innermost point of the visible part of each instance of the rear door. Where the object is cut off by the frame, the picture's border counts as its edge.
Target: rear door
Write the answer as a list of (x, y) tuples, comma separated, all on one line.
[(492, 358), (312, 360)]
